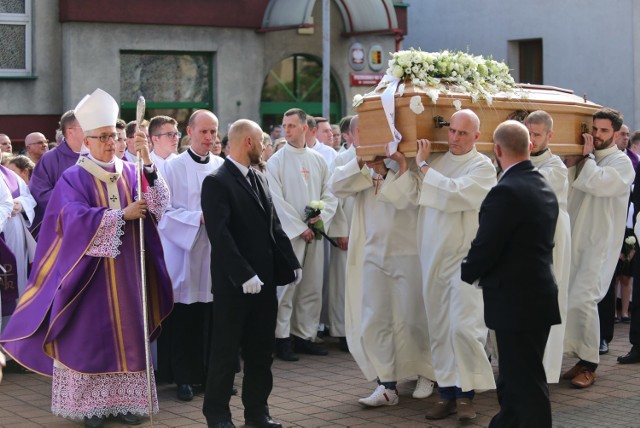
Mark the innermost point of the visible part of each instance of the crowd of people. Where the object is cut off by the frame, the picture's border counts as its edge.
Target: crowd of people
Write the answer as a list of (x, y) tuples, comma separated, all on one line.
[(259, 244)]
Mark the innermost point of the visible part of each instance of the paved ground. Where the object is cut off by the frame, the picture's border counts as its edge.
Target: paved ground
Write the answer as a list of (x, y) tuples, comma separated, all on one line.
[(323, 392)]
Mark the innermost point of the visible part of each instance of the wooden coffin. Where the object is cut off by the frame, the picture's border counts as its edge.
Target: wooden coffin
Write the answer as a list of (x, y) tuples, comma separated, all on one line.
[(572, 116)]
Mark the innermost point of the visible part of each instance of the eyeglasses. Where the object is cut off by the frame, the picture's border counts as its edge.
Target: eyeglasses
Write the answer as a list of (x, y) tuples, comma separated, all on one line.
[(39, 143), (170, 134), (104, 138)]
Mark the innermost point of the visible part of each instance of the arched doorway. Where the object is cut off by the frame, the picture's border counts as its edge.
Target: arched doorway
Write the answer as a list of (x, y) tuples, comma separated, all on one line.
[(296, 81)]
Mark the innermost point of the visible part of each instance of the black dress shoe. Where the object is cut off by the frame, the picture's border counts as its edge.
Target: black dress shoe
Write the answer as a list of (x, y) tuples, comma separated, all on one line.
[(625, 319), (343, 345), (223, 424), (185, 392), (93, 422), (284, 350), (604, 347), (129, 419), (264, 421), (632, 357), (308, 347)]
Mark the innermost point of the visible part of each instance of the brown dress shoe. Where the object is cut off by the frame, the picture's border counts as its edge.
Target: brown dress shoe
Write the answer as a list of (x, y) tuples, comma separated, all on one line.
[(585, 379), (441, 409), (572, 372), (466, 411)]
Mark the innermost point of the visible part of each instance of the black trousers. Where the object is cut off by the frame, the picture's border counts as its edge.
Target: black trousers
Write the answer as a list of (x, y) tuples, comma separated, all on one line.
[(522, 387), (607, 312), (245, 322), (634, 313), (182, 345)]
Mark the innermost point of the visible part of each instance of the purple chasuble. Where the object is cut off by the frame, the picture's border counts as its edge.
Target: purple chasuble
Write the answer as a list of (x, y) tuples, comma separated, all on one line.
[(8, 278), (634, 158), (45, 176), (85, 311)]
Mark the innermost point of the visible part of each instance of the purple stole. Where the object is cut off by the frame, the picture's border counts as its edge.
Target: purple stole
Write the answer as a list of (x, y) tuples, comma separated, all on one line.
[(8, 270)]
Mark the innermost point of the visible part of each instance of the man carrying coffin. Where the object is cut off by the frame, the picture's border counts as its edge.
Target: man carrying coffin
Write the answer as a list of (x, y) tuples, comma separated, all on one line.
[(453, 186), (598, 200), (540, 126), (80, 319), (385, 319)]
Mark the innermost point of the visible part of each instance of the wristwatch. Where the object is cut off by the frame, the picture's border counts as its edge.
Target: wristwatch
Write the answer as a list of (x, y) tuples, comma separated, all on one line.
[(423, 163)]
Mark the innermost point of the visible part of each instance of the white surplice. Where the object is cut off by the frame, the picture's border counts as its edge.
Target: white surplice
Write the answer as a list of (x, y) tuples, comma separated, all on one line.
[(328, 153), (296, 177), (451, 193), (6, 207), (187, 250), (555, 171), (598, 199), (385, 319), (338, 259), (160, 162)]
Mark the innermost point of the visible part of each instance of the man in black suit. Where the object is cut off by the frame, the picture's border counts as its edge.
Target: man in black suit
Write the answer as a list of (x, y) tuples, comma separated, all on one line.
[(512, 257), (251, 255)]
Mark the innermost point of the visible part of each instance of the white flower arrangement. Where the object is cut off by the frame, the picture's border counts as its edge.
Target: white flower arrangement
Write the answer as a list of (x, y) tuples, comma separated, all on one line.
[(445, 71), (630, 240)]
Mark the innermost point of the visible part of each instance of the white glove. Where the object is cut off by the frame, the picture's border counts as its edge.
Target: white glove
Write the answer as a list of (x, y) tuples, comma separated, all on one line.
[(253, 286), (298, 274), (2, 364)]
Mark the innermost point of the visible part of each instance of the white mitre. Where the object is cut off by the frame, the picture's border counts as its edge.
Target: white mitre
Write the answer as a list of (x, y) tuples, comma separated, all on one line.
[(96, 110)]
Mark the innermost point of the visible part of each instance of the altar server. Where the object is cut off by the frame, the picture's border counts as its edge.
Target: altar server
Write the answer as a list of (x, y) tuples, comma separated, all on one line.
[(182, 348), (385, 318), (298, 175), (80, 319), (540, 126), (453, 186), (598, 200), (163, 131)]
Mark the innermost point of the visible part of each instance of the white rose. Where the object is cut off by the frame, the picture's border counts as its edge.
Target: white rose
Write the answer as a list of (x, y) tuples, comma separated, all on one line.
[(314, 205), (397, 71), (357, 100), (320, 205), (415, 104), (457, 104), (631, 240)]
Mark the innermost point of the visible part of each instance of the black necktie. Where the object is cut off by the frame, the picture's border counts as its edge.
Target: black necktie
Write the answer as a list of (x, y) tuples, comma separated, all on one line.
[(253, 181)]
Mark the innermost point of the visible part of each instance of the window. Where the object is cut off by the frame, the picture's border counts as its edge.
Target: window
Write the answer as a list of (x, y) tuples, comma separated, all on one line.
[(525, 58), (296, 81), (173, 84), (15, 38)]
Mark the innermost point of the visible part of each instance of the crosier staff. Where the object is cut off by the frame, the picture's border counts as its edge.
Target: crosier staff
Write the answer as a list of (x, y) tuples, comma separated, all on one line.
[(143, 276)]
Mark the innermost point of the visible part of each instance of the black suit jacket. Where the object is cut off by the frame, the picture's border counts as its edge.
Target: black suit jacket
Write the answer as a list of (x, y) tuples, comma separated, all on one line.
[(245, 232), (512, 252)]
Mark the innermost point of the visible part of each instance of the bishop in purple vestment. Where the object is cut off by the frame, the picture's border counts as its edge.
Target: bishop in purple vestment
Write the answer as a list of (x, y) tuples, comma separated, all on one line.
[(81, 318)]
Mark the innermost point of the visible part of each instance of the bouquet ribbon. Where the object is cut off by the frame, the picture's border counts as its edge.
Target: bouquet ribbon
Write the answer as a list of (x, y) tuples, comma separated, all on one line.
[(389, 106)]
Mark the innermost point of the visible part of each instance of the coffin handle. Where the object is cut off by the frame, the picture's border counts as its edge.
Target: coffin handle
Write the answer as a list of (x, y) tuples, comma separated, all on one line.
[(584, 128), (440, 122)]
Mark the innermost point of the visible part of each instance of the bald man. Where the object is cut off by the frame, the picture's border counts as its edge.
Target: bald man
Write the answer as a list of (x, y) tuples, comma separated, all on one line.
[(251, 255), (452, 188), (512, 258), (36, 145), (5, 143)]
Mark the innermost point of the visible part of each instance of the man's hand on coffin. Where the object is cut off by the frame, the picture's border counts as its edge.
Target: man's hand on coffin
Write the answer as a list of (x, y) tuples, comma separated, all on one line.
[(400, 158), (588, 147), (424, 150)]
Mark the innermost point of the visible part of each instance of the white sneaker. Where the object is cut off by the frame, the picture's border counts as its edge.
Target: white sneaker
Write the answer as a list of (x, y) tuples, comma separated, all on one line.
[(424, 388), (381, 397)]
